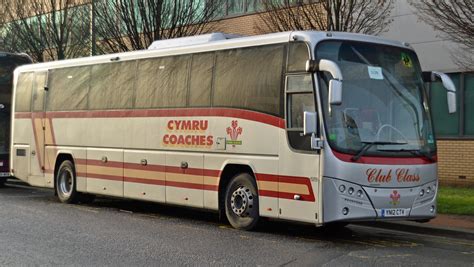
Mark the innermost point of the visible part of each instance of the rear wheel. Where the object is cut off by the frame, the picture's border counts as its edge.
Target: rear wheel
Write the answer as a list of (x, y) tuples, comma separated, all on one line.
[(241, 202), (66, 183)]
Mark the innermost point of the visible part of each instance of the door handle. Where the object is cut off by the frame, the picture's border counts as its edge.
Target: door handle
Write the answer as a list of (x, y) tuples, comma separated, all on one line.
[(184, 165), (144, 162), (104, 159)]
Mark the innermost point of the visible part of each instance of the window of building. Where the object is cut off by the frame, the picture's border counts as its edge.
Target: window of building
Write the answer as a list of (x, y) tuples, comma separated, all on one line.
[(461, 123), (469, 104)]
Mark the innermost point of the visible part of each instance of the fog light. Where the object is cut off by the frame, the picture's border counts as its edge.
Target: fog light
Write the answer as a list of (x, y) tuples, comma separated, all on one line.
[(345, 211), (359, 193), (422, 192), (351, 191), (342, 188), (432, 209), (428, 190)]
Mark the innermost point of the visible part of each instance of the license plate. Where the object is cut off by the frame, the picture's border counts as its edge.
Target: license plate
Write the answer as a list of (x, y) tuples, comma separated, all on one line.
[(4, 174), (395, 212)]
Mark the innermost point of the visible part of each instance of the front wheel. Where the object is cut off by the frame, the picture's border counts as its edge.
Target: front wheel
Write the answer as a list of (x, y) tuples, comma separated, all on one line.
[(66, 183), (241, 202)]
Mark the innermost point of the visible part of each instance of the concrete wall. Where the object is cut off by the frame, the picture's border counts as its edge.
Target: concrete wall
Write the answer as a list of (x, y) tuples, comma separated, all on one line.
[(432, 48)]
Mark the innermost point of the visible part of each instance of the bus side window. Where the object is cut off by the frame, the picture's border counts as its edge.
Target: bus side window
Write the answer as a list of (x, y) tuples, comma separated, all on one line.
[(300, 98), (38, 91), (23, 92), (162, 82), (112, 85), (200, 83)]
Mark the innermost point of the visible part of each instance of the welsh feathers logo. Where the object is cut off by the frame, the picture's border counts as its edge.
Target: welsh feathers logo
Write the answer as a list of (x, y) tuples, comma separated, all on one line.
[(395, 196), (233, 132)]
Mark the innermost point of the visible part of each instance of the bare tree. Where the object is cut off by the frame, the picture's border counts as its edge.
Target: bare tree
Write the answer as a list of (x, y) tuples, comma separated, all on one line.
[(360, 16), (455, 19), (46, 29), (126, 25)]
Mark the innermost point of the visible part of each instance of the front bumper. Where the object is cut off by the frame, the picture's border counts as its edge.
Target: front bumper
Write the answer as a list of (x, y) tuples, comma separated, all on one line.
[(345, 201)]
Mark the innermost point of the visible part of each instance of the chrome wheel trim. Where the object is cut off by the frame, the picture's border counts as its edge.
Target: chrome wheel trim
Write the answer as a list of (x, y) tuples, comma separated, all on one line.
[(241, 201), (65, 183)]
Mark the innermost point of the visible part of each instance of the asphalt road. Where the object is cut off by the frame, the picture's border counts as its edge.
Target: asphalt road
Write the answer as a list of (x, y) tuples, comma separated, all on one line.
[(35, 229)]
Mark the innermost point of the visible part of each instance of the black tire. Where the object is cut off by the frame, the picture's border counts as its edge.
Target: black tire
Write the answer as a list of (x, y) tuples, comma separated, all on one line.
[(86, 198), (65, 183), (335, 226), (241, 202)]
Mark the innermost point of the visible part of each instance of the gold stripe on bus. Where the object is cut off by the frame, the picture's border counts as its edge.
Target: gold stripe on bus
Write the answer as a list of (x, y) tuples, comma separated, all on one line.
[(142, 174), (209, 180), (102, 170), (80, 168), (294, 188), (48, 138), (183, 178), (267, 185)]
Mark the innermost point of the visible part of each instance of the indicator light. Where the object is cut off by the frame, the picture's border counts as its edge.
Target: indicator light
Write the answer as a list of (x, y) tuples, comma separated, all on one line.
[(351, 191), (422, 192), (345, 211), (342, 188)]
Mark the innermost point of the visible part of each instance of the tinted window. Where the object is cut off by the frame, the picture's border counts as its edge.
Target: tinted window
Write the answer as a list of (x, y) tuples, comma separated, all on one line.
[(297, 56), (250, 78), (23, 92), (201, 80), (68, 89), (112, 85), (162, 82)]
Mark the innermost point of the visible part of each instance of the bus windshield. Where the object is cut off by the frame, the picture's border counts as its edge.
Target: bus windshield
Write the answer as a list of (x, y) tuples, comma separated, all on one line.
[(384, 109)]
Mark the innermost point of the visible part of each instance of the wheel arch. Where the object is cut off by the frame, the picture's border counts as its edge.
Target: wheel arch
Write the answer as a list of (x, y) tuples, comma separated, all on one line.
[(230, 170), (60, 158)]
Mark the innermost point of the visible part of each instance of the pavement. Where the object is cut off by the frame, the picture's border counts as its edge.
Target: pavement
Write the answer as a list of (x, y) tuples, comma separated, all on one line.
[(37, 230), (455, 226)]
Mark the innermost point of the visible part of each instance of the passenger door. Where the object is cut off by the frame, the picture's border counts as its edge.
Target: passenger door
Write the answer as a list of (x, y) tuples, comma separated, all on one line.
[(299, 178), (40, 134)]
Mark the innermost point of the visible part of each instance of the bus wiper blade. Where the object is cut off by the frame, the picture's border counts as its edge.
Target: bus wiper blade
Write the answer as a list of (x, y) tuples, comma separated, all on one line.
[(420, 153), (368, 145)]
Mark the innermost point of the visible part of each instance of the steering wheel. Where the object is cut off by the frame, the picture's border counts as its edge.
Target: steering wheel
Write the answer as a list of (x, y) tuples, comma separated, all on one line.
[(392, 127)]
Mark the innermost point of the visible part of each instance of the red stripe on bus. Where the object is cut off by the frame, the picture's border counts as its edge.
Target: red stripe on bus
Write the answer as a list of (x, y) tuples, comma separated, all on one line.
[(184, 112), (384, 160), (185, 185), (289, 180), (23, 115), (104, 177), (100, 163), (143, 181), (148, 167)]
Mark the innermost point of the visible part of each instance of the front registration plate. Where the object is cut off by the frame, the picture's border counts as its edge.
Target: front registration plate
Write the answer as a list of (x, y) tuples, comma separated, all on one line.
[(395, 212)]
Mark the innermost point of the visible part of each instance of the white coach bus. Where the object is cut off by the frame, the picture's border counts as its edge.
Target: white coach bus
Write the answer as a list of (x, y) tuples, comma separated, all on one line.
[(311, 127)]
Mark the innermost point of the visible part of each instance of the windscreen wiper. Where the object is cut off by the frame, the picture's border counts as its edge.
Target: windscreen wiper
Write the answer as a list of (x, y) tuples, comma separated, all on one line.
[(368, 145), (419, 153)]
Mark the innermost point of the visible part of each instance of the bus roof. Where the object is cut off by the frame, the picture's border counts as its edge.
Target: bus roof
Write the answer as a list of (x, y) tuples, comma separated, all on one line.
[(311, 37)]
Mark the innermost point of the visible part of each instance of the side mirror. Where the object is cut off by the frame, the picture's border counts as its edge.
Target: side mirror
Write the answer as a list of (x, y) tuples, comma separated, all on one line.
[(448, 85), (335, 92), (335, 84), (310, 122)]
